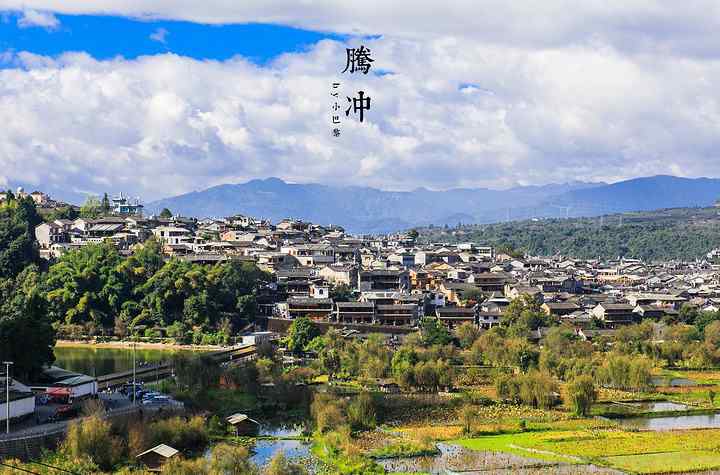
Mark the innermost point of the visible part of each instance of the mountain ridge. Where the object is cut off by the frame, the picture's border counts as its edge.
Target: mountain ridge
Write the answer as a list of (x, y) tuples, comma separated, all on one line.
[(362, 209)]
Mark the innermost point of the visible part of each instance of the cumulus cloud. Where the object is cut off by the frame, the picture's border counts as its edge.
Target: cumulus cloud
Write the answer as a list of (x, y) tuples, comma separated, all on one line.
[(159, 35), (36, 18), (451, 114), (632, 25)]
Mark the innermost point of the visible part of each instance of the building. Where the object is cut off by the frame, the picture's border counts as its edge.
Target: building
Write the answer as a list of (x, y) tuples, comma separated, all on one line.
[(383, 280), (559, 309), (156, 457), (242, 425), (453, 317), (123, 206), (314, 309), (22, 401), (340, 274), (397, 315), (355, 312), (613, 314), (48, 234), (172, 235)]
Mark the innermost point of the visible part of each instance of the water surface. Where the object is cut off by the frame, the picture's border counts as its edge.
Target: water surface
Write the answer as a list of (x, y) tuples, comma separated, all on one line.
[(690, 421), (95, 361)]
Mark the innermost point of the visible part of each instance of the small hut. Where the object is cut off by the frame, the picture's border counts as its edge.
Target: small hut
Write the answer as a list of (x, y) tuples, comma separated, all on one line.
[(156, 457), (243, 425)]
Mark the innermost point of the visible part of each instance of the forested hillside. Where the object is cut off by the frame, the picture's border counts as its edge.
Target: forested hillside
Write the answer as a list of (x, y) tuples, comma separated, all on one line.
[(95, 290), (680, 233)]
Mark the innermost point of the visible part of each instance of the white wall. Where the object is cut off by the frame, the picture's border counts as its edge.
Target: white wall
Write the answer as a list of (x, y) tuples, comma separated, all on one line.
[(18, 408)]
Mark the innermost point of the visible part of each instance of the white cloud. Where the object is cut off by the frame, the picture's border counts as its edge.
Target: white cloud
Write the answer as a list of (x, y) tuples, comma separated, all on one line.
[(165, 124), (159, 35), (35, 18), (632, 25), (482, 94)]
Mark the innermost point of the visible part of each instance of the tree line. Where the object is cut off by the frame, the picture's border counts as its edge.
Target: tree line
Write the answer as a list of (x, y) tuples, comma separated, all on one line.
[(95, 290)]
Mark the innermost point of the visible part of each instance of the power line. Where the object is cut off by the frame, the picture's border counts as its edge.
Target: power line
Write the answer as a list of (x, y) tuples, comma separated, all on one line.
[(18, 468), (55, 468)]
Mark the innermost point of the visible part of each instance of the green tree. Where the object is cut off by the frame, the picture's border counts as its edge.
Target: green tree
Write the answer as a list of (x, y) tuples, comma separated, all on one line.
[(468, 418), (582, 394), (341, 293), (91, 209), (65, 212), (26, 335), (466, 334), (18, 249), (85, 286), (403, 362), (434, 333), (166, 213), (301, 332), (105, 204), (523, 315)]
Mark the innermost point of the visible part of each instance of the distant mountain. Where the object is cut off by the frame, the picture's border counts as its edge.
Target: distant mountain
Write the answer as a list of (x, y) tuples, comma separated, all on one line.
[(358, 209), (640, 194), (369, 210)]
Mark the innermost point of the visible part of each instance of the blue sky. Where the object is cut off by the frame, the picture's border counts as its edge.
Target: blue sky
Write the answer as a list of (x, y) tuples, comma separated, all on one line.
[(105, 37)]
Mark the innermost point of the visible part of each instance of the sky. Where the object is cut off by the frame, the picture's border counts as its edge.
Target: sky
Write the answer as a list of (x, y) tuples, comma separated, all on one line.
[(158, 98)]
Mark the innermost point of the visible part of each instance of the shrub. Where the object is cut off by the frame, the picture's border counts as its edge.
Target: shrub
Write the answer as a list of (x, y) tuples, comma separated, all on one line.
[(280, 465), (229, 459), (468, 417), (92, 438), (362, 412), (327, 412), (179, 433)]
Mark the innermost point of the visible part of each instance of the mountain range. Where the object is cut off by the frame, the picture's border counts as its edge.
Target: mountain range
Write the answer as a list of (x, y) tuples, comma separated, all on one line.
[(370, 210)]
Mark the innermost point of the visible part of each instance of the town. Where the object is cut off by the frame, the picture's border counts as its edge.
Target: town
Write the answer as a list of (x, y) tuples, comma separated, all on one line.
[(387, 284), (458, 348)]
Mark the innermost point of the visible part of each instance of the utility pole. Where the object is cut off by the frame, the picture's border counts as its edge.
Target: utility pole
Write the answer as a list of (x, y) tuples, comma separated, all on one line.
[(7, 395), (134, 383)]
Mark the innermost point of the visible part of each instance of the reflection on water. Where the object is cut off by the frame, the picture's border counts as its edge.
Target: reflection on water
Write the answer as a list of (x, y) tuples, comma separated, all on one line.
[(281, 430), (265, 450), (101, 361), (694, 421), (676, 382), (659, 406), (457, 458)]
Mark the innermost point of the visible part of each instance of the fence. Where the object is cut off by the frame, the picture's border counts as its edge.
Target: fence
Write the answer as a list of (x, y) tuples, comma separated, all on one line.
[(26, 446)]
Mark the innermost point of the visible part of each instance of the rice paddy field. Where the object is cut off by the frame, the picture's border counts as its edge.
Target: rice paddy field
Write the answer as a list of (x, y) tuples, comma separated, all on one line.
[(595, 450), (516, 439)]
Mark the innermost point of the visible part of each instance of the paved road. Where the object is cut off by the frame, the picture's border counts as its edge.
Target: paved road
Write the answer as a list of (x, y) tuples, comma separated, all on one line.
[(115, 403)]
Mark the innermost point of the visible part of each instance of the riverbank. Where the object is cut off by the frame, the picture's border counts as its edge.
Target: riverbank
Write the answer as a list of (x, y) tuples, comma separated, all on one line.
[(123, 345)]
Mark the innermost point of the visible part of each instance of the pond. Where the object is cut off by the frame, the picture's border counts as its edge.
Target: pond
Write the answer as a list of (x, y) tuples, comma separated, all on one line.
[(454, 458), (690, 421), (265, 450), (658, 406), (674, 382), (621, 409), (95, 361)]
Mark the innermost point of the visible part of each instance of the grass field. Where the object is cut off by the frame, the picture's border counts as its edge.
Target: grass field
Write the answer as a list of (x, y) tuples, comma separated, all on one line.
[(637, 452), (691, 460)]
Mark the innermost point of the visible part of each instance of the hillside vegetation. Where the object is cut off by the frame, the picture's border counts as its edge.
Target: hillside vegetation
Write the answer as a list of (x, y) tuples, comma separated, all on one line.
[(679, 233)]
